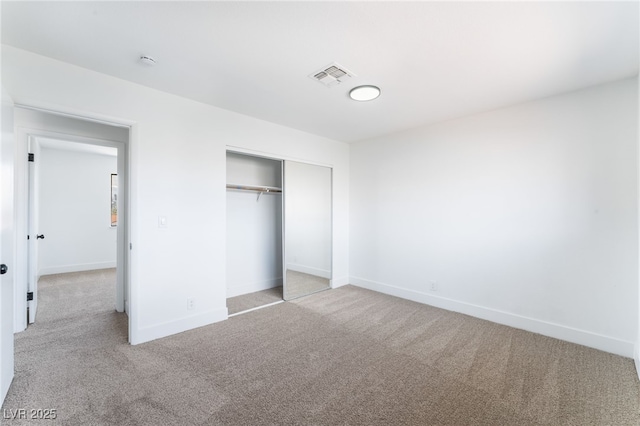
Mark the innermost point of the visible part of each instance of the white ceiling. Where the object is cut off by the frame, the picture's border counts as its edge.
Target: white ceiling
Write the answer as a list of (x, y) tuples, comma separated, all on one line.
[(433, 60)]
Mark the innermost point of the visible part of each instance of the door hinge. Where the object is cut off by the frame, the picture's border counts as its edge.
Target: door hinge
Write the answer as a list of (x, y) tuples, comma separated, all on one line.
[(32, 157), (29, 296)]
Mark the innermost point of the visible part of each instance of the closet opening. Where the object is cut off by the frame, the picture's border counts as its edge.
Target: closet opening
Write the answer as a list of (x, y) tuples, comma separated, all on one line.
[(254, 232), (279, 230)]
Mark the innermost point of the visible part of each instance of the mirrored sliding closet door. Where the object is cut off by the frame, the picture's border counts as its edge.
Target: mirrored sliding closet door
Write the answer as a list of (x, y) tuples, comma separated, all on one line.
[(307, 229)]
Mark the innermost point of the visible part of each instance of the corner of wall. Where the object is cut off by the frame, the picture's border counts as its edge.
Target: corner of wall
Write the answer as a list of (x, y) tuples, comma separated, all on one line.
[(636, 357), (339, 282), (166, 329)]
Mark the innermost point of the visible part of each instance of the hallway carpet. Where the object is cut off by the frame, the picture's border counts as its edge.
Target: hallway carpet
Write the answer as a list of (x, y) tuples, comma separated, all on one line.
[(347, 356)]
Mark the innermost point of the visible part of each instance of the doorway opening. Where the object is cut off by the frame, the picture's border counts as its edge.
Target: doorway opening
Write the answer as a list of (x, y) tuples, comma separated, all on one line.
[(76, 218)]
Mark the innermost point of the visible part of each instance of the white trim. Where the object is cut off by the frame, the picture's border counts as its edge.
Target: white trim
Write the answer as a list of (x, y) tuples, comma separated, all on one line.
[(570, 334), (146, 334), (47, 134), (21, 202), (339, 282), (76, 114), (264, 154), (253, 287), (636, 351), (256, 308), (309, 270), (76, 268)]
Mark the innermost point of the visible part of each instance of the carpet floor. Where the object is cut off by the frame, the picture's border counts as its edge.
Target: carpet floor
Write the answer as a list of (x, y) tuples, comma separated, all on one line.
[(347, 356), (253, 300), (299, 284)]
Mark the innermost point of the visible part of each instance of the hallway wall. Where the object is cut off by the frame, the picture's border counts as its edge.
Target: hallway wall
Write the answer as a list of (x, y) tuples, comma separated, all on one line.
[(75, 192)]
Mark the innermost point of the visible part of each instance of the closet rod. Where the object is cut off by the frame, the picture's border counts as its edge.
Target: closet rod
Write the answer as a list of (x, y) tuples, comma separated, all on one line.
[(267, 189)]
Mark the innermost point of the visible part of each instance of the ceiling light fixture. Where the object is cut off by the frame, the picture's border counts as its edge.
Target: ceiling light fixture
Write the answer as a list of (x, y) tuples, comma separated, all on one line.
[(364, 93), (147, 60)]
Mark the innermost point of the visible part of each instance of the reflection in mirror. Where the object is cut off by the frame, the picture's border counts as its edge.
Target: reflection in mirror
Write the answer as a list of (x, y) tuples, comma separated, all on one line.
[(307, 229)]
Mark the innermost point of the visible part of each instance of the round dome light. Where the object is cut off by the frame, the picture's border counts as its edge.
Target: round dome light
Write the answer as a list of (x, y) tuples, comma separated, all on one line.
[(364, 93)]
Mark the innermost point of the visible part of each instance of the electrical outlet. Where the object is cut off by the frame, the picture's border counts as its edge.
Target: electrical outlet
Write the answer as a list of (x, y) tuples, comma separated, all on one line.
[(433, 286), (191, 304)]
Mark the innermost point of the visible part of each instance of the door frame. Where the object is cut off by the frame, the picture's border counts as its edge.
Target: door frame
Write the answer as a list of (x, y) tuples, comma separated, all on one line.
[(126, 289), (33, 201), (32, 137), (7, 243)]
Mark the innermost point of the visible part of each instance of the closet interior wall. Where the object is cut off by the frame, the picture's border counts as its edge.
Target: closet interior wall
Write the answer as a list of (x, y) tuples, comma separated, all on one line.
[(254, 225)]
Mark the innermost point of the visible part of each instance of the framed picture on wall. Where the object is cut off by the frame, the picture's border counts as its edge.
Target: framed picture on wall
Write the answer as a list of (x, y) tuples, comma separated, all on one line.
[(114, 199)]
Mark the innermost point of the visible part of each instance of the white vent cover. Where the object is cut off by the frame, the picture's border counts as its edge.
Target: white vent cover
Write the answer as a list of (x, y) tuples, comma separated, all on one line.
[(332, 75)]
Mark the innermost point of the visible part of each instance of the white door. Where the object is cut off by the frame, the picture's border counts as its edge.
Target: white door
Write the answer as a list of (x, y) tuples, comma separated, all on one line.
[(34, 237), (6, 246)]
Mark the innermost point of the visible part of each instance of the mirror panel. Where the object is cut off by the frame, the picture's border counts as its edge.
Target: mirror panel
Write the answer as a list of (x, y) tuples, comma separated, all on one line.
[(307, 229)]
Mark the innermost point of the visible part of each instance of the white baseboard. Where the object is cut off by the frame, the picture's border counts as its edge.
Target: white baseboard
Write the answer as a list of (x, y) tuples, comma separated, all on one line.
[(178, 326), (63, 269), (339, 282), (309, 270), (569, 334), (238, 290)]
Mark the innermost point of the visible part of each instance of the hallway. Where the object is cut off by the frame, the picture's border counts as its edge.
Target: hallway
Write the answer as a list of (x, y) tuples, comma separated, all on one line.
[(76, 318)]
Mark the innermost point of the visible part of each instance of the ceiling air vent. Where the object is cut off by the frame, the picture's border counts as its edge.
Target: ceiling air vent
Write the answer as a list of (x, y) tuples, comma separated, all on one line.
[(332, 75)]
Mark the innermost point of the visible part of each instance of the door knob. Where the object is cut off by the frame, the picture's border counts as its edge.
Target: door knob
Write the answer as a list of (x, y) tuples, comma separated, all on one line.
[(40, 237), (3, 269)]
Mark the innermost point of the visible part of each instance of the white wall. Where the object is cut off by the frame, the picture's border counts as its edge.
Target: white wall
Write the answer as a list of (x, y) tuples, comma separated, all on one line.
[(75, 191), (254, 226), (526, 216), (177, 158), (251, 170)]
